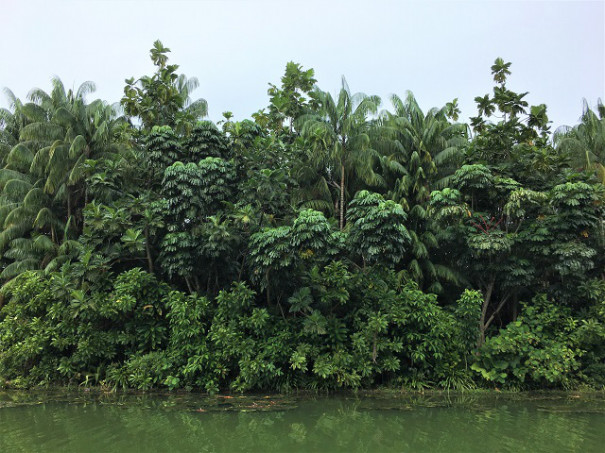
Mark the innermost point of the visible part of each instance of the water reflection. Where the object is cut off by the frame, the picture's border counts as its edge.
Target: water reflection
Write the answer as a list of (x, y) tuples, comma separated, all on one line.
[(366, 423)]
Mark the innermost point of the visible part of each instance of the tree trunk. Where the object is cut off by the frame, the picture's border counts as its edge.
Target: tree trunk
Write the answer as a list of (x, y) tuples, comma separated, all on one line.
[(189, 285), (374, 348), (483, 323), (241, 269), (267, 290), (68, 203), (281, 309), (148, 252), (342, 197), (197, 284), (486, 300)]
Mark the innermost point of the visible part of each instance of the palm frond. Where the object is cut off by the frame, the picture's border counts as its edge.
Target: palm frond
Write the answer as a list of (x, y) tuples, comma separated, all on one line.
[(44, 218), (16, 189), (18, 267), (85, 89), (19, 158), (42, 132), (6, 175), (44, 244)]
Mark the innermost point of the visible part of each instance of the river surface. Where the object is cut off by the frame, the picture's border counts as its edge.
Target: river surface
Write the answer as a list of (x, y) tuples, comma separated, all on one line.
[(493, 422)]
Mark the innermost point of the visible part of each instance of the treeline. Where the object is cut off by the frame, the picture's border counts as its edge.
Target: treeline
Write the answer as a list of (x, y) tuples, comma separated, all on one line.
[(324, 243)]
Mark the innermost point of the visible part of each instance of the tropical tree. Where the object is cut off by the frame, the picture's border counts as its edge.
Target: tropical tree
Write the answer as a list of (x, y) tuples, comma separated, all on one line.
[(421, 153), (586, 142), (511, 228), (164, 98), (293, 98), (339, 143), (377, 230), (44, 186), (427, 147), (12, 120), (271, 260)]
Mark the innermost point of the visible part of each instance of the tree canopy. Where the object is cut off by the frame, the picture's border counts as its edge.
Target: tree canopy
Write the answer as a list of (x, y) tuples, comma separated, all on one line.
[(321, 243)]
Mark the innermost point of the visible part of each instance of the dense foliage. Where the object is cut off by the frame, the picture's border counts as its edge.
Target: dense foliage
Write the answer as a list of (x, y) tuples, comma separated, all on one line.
[(321, 244)]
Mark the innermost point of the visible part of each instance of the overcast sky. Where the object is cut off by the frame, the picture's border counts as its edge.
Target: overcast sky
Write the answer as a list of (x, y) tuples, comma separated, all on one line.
[(438, 50)]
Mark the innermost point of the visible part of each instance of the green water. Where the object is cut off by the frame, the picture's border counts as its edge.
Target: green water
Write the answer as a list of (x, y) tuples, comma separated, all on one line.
[(96, 422)]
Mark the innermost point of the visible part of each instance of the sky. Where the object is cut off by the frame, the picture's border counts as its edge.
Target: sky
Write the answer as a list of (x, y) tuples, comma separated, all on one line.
[(439, 50)]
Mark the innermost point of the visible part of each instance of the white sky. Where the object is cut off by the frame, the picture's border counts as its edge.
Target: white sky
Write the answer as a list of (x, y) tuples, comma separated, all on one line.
[(439, 50)]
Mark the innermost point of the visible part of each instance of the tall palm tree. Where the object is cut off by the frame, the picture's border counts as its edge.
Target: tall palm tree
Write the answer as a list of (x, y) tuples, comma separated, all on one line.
[(194, 109), (427, 149), (339, 140), (12, 120), (42, 189), (586, 142), (429, 146), (74, 132)]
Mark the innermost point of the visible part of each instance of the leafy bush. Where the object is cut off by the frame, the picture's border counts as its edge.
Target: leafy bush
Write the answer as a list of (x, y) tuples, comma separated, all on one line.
[(539, 349), (52, 333), (344, 329)]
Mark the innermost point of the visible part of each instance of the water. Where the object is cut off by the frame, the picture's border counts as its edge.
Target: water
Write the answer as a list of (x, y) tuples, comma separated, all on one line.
[(97, 422)]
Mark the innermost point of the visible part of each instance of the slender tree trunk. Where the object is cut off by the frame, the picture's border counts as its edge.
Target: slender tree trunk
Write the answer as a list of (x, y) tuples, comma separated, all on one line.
[(342, 197), (483, 323), (241, 269), (496, 311), (374, 347), (148, 252), (189, 285), (486, 300), (267, 290), (68, 203), (281, 309), (260, 220)]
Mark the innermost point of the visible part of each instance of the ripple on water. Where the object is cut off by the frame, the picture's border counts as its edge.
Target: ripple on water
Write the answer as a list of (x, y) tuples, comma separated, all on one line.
[(189, 422)]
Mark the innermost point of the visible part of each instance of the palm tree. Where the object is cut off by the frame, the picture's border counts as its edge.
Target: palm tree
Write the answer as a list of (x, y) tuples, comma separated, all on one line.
[(340, 144), (12, 120), (427, 149), (42, 189), (428, 146), (585, 142), (74, 133)]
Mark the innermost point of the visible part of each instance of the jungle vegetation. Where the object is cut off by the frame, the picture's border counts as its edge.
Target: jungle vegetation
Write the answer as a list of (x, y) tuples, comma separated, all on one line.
[(329, 241)]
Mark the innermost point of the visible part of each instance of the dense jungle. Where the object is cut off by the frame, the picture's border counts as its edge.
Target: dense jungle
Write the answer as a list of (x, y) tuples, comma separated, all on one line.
[(330, 241)]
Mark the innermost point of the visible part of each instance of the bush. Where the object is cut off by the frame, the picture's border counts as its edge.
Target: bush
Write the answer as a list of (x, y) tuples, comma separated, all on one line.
[(537, 350)]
